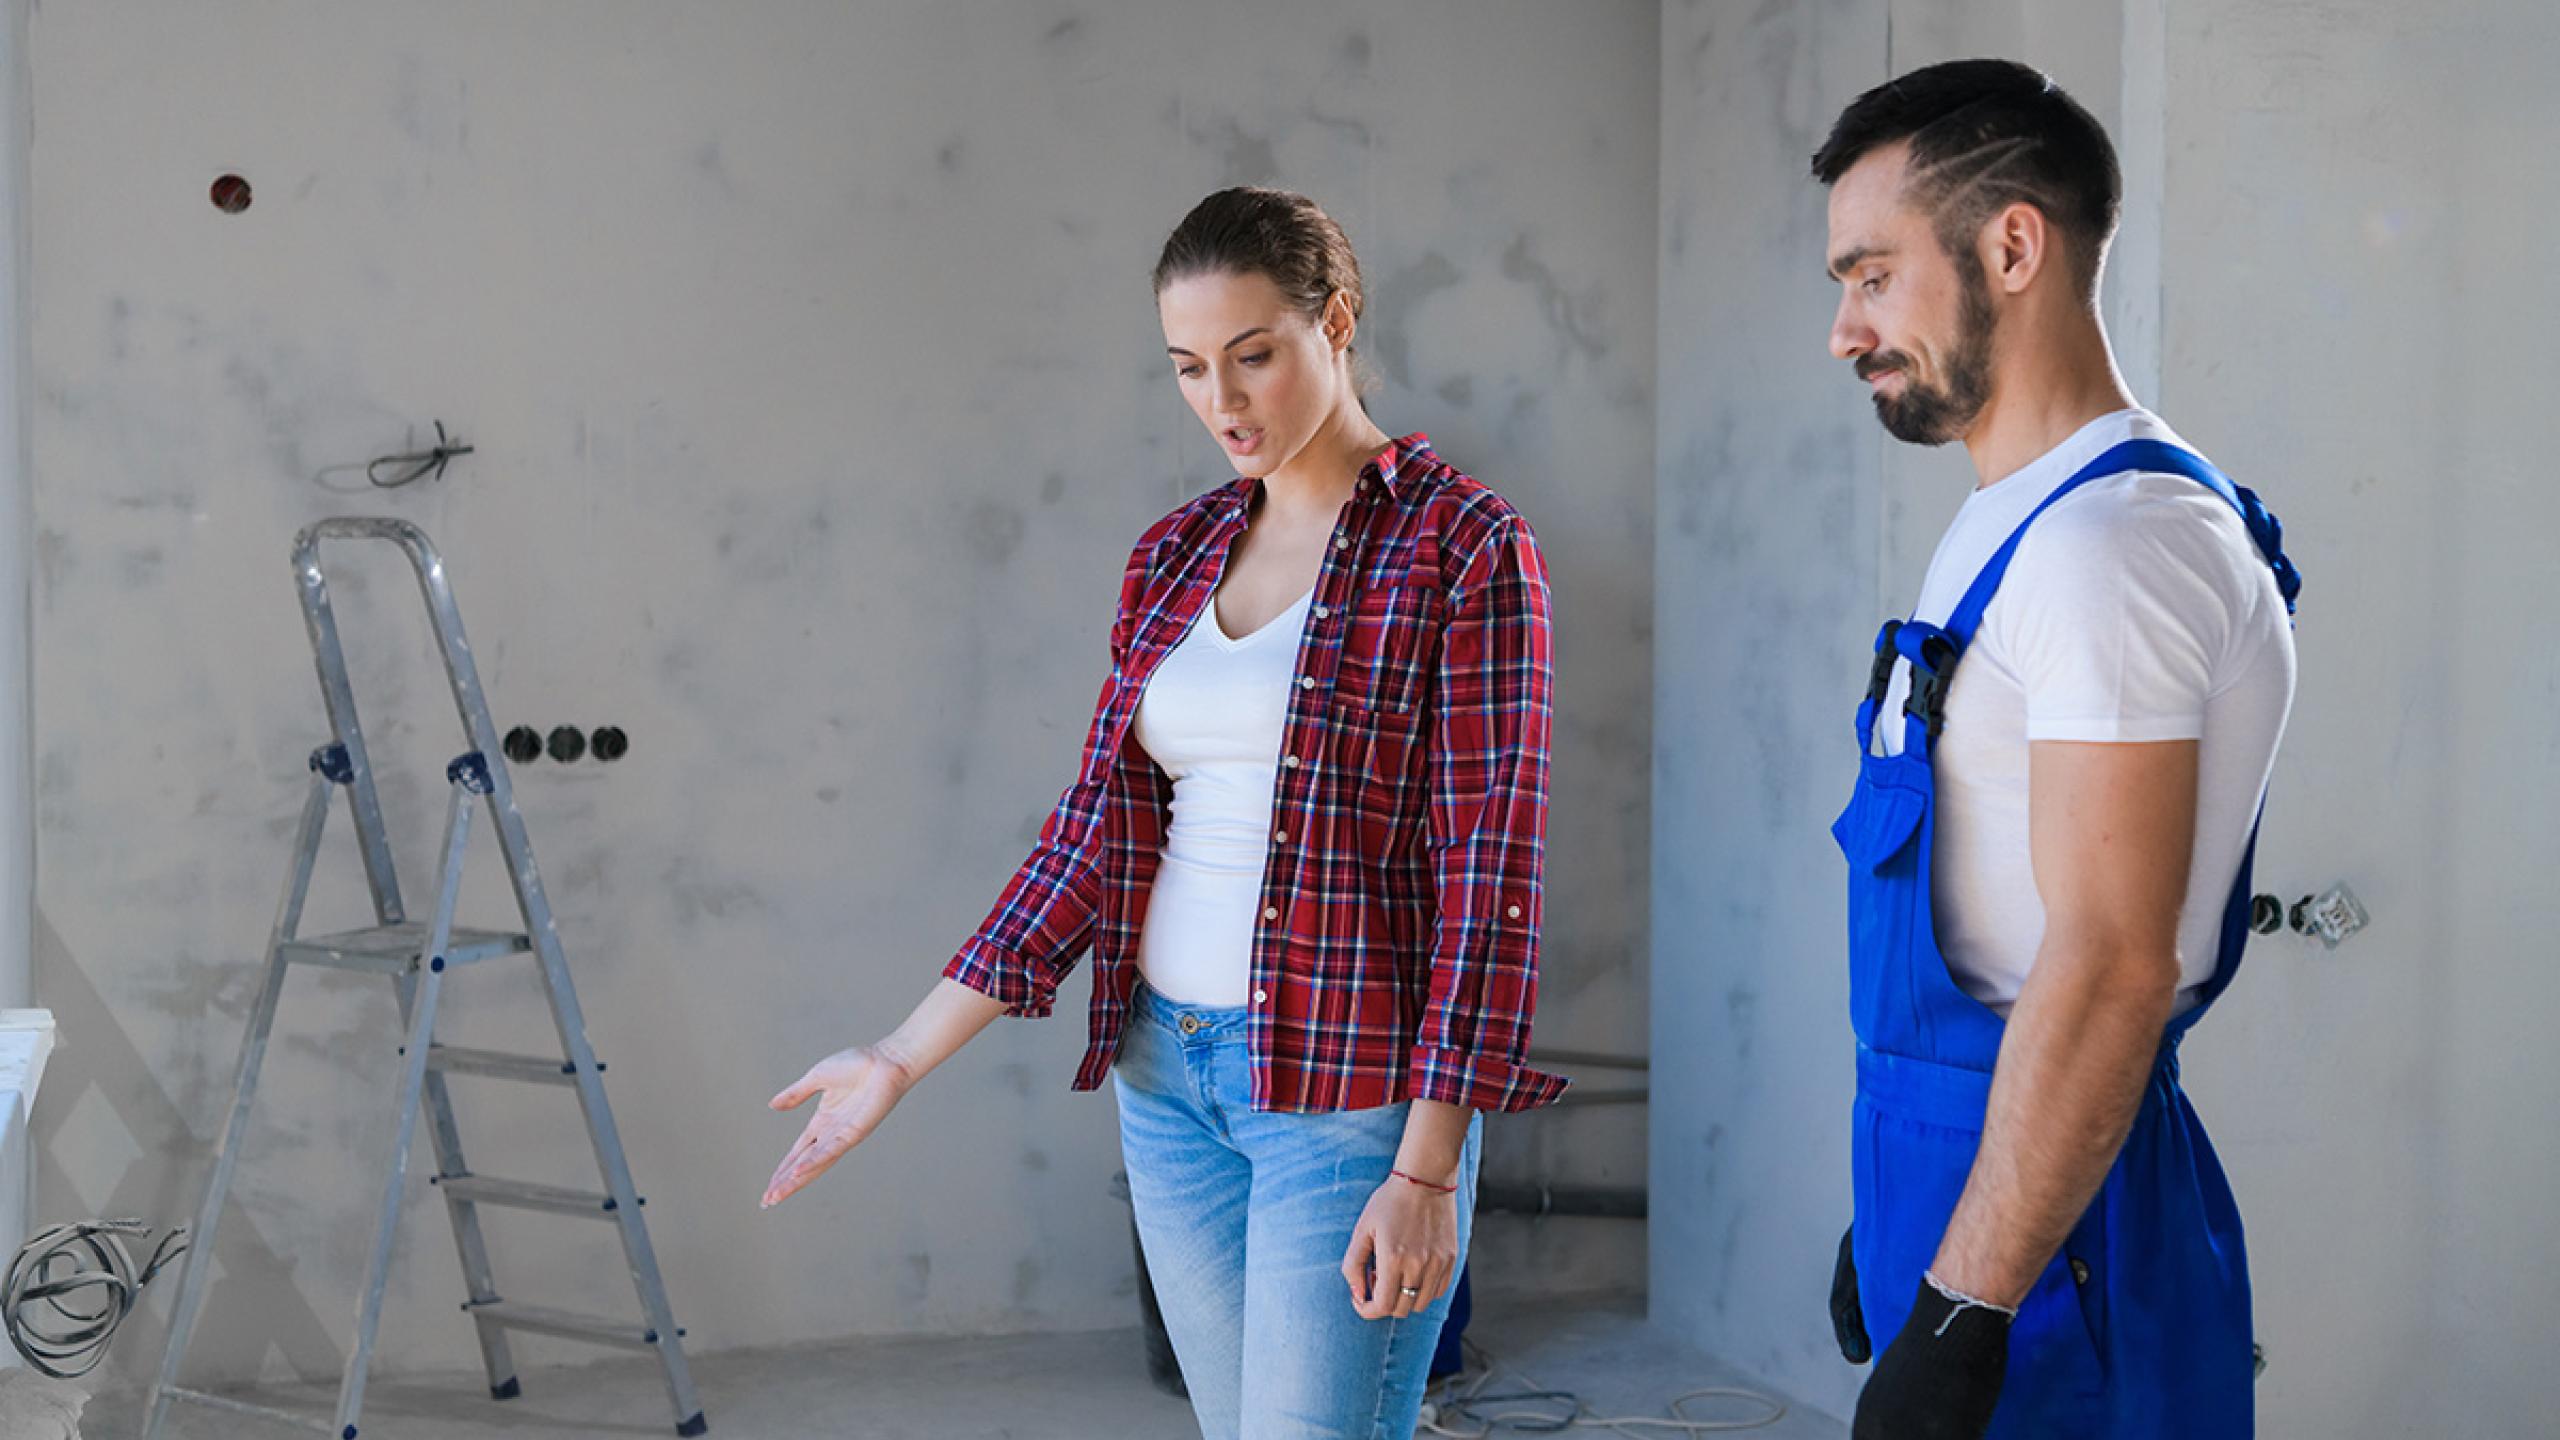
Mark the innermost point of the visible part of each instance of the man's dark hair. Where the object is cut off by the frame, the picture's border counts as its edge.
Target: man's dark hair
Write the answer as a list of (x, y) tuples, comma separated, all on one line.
[(1985, 135)]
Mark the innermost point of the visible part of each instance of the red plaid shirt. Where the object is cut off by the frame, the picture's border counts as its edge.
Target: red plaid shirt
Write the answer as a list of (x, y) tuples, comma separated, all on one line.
[(1397, 956)]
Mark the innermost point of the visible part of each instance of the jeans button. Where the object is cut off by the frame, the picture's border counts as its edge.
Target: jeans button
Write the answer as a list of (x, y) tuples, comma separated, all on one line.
[(2080, 1271), (1190, 1024)]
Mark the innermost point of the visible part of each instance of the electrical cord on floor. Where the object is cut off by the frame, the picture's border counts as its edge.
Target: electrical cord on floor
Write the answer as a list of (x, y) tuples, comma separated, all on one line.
[(1455, 1411), (60, 1331)]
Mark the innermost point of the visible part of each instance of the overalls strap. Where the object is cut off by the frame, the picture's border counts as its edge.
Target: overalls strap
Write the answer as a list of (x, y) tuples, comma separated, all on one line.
[(2152, 455)]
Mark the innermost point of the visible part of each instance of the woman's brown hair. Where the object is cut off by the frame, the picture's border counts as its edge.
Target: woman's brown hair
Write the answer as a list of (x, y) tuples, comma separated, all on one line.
[(1281, 236)]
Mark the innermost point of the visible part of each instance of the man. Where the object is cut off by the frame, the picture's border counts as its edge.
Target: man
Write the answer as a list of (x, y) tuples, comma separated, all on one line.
[(2049, 846)]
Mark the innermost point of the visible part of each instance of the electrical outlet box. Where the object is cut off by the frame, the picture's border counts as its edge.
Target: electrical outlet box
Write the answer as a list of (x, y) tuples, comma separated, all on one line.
[(2337, 915)]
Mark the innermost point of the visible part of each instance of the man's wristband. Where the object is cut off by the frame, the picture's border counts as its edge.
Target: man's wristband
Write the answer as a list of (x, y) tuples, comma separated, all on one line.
[(1963, 1302)]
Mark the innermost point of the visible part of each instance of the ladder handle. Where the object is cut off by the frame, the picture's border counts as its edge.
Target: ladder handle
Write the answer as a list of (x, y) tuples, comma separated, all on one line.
[(443, 615), (422, 551), (433, 585), (423, 558)]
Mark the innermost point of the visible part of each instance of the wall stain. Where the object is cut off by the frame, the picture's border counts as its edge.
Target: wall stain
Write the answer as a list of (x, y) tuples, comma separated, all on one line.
[(1244, 158), (1576, 318), (993, 531), (1388, 326), (1351, 55), (712, 165)]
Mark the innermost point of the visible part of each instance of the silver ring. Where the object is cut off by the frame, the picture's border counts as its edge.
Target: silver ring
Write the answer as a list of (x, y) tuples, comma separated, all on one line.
[(1409, 1290)]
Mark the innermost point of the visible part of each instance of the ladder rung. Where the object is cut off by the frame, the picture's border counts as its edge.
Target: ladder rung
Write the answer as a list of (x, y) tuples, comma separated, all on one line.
[(509, 1315), (532, 1069), (390, 949), (523, 1195), (280, 1417)]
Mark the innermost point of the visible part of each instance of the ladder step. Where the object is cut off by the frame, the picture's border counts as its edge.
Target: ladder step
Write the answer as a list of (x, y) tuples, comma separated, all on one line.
[(509, 1315), (532, 1069), (522, 1195), (262, 1412), (390, 949)]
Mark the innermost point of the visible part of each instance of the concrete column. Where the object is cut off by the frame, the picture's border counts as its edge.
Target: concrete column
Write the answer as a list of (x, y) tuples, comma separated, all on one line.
[(2142, 147), (17, 806)]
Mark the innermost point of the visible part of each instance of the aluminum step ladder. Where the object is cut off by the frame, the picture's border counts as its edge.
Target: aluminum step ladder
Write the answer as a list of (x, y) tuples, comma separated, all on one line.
[(418, 955)]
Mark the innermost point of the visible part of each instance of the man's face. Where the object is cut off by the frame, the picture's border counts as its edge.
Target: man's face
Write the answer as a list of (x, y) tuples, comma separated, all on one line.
[(1914, 321)]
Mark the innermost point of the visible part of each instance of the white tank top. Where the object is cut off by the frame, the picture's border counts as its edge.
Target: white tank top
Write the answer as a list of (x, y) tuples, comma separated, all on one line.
[(1212, 718)]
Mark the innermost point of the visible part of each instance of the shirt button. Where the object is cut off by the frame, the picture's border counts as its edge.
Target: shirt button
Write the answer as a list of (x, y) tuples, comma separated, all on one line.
[(1261, 997), (1322, 612), (1289, 762), (1306, 682), (1270, 913), (1282, 837), (1341, 542), (1515, 912)]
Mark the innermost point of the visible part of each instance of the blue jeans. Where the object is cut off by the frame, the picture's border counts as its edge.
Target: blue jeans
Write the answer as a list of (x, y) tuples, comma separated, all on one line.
[(1245, 1217)]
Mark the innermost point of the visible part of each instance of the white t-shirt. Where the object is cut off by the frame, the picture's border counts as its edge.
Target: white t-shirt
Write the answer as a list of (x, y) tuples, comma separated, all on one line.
[(2136, 609), (1212, 718)]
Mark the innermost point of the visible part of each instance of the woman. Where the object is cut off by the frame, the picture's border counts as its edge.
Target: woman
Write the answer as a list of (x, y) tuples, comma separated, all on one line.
[(1305, 849)]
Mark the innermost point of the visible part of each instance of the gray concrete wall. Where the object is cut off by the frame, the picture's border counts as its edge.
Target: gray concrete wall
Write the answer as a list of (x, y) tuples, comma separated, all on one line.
[(2356, 218), (818, 394), (2324, 283)]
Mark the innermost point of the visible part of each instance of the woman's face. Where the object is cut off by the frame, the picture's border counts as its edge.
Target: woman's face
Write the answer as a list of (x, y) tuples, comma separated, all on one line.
[(1261, 375)]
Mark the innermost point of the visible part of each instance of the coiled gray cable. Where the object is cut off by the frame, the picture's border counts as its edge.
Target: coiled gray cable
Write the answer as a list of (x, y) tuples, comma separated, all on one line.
[(71, 1286)]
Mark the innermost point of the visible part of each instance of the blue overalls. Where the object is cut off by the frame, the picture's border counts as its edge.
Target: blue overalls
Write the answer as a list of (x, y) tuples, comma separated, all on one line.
[(2140, 1325)]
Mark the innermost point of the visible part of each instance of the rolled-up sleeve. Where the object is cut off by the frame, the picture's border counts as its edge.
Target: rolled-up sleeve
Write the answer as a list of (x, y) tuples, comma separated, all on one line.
[(1486, 777), (1044, 919)]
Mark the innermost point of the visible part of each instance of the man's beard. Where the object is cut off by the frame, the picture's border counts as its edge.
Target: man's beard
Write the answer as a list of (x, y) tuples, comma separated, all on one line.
[(1935, 414)]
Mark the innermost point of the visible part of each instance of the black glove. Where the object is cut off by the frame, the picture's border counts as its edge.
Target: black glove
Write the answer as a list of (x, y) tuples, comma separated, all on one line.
[(1940, 1378), (1848, 1319)]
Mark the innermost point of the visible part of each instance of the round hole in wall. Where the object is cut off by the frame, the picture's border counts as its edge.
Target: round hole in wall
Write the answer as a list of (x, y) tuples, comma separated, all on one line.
[(231, 194), (567, 744), (610, 743), (523, 745)]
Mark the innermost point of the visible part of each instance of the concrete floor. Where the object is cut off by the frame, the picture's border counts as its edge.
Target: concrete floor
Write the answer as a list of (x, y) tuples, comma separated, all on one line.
[(1025, 1387)]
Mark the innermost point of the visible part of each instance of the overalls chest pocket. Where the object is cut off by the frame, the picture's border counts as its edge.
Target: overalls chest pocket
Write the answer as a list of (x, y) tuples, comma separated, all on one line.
[(1390, 645), (1884, 812)]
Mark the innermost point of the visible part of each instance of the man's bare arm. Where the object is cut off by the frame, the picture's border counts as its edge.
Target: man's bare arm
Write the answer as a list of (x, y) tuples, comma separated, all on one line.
[(2112, 828)]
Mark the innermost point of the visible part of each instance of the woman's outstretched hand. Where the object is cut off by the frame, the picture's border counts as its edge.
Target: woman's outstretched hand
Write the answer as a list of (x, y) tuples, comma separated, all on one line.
[(855, 1090)]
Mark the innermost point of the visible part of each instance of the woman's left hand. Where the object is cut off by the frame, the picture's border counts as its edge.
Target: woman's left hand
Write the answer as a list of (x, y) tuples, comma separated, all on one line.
[(1404, 1252)]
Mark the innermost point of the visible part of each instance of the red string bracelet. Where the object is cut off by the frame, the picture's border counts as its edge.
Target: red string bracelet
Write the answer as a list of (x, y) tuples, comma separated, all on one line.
[(1425, 1184)]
